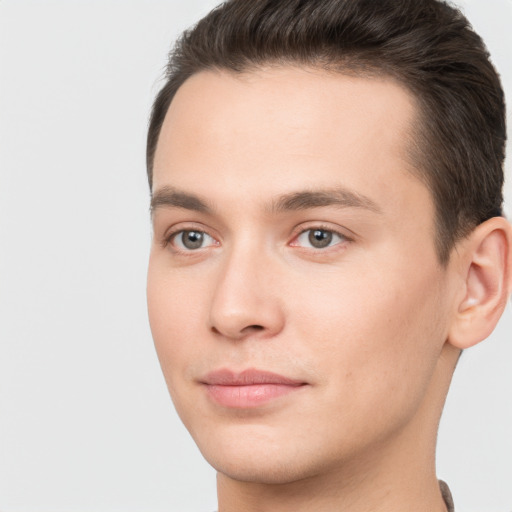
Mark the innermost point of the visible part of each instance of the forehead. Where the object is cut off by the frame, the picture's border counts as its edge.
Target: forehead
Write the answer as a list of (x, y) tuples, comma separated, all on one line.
[(268, 131), (314, 106)]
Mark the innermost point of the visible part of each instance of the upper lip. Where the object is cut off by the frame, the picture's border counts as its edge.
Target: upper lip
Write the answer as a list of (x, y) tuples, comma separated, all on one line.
[(251, 376)]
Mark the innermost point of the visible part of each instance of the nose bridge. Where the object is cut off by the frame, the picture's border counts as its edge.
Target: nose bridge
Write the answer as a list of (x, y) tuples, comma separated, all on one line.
[(245, 296)]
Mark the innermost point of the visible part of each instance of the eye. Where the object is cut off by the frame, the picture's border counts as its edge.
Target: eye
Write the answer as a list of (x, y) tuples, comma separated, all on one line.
[(318, 238), (190, 240)]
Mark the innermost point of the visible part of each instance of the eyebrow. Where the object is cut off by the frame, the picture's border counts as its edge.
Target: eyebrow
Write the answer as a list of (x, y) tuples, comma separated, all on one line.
[(295, 201), (340, 197), (173, 198)]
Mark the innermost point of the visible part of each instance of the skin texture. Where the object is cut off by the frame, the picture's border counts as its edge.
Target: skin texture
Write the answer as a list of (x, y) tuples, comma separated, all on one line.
[(364, 323)]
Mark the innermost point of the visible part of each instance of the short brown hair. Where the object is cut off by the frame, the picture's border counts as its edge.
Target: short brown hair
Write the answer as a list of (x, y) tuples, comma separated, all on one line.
[(427, 45)]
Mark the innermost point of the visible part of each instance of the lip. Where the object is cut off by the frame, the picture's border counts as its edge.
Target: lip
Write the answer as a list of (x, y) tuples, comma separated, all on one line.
[(249, 388)]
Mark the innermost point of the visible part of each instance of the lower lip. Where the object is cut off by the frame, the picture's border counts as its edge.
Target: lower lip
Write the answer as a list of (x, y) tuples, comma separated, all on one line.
[(248, 396)]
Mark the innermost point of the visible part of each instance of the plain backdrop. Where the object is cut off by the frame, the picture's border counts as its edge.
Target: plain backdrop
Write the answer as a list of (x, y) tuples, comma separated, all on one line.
[(86, 424)]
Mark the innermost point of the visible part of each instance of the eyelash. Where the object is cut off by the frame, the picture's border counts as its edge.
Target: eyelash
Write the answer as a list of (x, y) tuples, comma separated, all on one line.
[(169, 238), (343, 238)]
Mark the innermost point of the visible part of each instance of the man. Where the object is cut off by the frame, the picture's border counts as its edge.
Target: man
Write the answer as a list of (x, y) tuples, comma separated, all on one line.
[(326, 182)]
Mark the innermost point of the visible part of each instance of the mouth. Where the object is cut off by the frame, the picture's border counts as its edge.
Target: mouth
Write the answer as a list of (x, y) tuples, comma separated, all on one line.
[(249, 388)]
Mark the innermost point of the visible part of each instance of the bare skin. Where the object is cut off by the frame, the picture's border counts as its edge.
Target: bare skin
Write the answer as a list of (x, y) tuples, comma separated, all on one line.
[(290, 236)]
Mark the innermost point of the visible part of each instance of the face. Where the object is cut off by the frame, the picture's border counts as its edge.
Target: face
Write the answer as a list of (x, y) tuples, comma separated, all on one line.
[(296, 301)]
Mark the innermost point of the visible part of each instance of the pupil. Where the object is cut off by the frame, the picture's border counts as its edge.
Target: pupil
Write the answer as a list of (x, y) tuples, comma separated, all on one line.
[(192, 239), (320, 238)]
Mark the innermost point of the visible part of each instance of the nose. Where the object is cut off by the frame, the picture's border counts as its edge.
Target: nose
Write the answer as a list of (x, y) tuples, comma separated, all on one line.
[(246, 301)]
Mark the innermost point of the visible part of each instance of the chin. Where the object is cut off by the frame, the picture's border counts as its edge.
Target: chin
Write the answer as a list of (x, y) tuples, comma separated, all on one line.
[(267, 472), (256, 458)]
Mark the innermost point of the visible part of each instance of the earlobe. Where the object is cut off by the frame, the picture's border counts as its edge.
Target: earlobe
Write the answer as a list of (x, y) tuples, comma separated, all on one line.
[(487, 265)]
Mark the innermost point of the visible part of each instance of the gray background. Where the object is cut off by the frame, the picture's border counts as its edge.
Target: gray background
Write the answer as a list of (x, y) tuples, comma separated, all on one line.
[(85, 420)]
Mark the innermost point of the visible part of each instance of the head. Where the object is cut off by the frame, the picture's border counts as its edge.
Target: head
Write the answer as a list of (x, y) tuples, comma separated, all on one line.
[(326, 189)]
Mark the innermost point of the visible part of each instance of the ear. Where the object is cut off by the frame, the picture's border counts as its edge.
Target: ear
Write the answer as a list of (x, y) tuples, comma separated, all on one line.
[(486, 265)]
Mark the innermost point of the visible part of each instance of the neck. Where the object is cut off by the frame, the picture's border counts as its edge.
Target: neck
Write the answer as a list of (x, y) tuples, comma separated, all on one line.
[(394, 484)]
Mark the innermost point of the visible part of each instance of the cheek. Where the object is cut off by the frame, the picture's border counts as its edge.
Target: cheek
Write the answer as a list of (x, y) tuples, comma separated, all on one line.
[(376, 336), (175, 315)]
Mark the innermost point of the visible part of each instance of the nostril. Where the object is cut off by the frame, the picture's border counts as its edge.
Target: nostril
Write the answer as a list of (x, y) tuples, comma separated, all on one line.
[(247, 330), (254, 327)]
